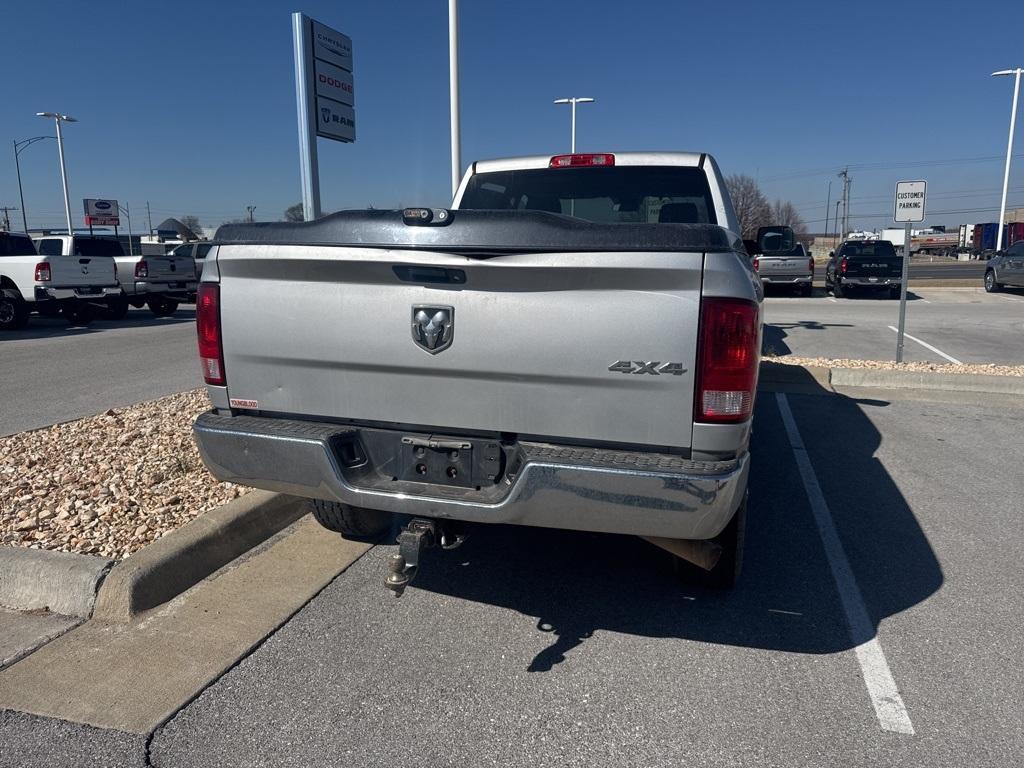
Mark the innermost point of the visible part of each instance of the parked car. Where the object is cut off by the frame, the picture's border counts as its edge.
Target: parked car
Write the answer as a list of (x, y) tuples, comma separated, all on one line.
[(75, 284), (160, 282), (1005, 268), (864, 264), (790, 266), (502, 362)]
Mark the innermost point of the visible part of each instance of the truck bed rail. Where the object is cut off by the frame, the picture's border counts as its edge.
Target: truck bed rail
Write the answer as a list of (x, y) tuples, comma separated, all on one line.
[(481, 233)]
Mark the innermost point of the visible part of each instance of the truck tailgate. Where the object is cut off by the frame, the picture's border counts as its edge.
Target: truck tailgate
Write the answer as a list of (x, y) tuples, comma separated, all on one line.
[(79, 271), (782, 265), (169, 268), (874, 266), (328, 332)]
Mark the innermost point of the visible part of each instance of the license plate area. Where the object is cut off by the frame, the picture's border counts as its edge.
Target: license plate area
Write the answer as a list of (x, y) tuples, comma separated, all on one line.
[(453, 461)]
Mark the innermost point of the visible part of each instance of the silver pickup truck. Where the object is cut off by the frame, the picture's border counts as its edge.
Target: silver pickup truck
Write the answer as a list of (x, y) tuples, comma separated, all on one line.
[(575, 345)]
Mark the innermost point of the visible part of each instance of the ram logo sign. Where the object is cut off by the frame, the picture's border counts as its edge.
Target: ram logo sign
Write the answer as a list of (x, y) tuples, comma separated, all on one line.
[(433, 327)]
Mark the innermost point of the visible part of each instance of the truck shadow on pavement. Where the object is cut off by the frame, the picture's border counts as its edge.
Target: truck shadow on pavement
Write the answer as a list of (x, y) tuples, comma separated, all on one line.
[(774, 334), (577, 584), (52, 327)]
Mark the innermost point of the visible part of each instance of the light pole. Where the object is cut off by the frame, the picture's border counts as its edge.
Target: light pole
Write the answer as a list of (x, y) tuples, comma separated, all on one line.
[(573, 101), (453, 91), (58, 119), (128, 215), (1009, 148), (18, 147)]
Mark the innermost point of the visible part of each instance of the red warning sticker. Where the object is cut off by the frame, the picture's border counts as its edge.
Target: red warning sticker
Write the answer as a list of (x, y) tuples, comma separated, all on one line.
[(237, 402)]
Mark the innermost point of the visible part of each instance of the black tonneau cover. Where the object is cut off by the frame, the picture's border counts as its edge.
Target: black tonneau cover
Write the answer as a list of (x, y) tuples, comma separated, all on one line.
[(480, 232)]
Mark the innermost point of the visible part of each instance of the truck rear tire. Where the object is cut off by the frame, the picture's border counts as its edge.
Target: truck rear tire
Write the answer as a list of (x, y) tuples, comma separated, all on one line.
[(13, 311), (78, 313), (837, 289), (117, 308), (351, 522), (726, 572), (807, 289), (161, 306)]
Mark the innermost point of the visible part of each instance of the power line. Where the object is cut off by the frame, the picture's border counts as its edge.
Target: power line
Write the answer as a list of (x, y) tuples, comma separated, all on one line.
[(888, 165)]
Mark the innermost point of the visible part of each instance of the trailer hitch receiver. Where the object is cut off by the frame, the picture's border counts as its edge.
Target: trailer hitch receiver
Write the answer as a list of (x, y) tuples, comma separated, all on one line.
[(418, 535)]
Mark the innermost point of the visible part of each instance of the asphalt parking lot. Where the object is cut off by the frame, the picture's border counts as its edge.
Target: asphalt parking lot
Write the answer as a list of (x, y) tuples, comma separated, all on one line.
[(877, 623), (112, 363), (948, 325)]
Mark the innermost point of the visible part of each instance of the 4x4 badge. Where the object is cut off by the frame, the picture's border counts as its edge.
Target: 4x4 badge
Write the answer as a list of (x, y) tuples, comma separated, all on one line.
[(433, 327)]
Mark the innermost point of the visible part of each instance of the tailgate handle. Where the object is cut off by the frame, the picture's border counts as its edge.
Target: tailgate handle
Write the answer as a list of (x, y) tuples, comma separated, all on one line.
[(433, 442), (84, 261), (418, 274)]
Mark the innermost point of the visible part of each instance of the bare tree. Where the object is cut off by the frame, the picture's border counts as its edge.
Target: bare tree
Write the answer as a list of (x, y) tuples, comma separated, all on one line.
[(783, 212), (294, 213), (192, 222), (752, 207)]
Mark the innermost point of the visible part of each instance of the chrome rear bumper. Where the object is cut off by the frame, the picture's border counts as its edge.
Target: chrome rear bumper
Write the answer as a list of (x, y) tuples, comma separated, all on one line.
[(630, 492)]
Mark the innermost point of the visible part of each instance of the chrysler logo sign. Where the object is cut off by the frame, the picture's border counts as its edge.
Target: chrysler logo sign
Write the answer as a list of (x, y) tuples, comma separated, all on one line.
[(433, 327)]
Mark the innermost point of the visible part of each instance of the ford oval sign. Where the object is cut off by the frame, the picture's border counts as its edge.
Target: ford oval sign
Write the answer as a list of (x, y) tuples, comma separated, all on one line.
[(101, 205)]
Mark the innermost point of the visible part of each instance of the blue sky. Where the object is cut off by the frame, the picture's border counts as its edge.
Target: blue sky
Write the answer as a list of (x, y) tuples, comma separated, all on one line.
[(191, 105)]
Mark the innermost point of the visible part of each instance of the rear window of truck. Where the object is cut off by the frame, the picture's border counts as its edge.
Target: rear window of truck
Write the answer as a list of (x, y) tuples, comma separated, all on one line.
[(610, 195), (15, 245), (883, 248), (96, 246)]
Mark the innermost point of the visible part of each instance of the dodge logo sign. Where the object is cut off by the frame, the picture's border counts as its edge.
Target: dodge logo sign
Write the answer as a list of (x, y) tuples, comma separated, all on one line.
[(433, 327)]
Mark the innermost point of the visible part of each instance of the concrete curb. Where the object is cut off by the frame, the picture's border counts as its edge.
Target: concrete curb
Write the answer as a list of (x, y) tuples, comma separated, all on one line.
[(815, 379), (61, 582), (955, 382), (172, 564)]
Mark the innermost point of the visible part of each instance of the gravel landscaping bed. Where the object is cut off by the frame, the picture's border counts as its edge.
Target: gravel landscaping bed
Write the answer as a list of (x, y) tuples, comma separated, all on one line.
[(888, 365), (108, 484)]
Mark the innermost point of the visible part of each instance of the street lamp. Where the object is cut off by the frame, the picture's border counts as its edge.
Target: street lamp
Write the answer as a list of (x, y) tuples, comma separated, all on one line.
[(573, 101), (1009, 149), (453, 93), (58, 119), (18, 147)]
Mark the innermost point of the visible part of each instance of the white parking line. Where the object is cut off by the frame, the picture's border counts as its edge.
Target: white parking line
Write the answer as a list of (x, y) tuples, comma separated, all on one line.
[(926, 345), (831, 298), (885, 696)]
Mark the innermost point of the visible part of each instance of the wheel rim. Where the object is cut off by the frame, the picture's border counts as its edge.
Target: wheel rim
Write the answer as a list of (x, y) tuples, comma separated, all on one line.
[(6, 311), (989, 280)]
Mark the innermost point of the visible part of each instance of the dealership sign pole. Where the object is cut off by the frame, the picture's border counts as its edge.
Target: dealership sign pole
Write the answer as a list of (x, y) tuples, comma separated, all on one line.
[(324, 98), (908, 207)]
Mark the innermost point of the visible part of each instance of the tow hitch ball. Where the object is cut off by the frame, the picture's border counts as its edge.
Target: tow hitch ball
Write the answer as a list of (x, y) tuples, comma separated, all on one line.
[(418, 535)]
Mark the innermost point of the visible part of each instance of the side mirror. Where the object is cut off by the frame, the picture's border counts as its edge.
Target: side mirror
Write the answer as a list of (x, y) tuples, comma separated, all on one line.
[(831, 254)]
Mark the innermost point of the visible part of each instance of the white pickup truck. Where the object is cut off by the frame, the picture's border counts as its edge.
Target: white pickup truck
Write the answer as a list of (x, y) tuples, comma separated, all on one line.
[(574, 345), (75, 282)]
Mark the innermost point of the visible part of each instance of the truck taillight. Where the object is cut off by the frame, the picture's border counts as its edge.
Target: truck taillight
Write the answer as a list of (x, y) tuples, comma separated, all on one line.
[(211, 350), (142, 269), (756, 263), (727, 360), (810, 264), (43, 272), (581, 161), (842, 265)]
